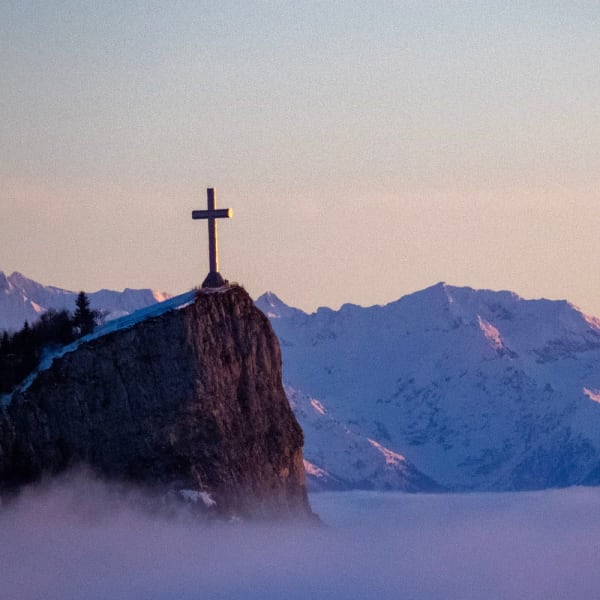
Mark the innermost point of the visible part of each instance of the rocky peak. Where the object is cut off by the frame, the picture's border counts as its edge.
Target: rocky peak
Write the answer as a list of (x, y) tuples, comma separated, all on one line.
[(189, 401), (275, 308)]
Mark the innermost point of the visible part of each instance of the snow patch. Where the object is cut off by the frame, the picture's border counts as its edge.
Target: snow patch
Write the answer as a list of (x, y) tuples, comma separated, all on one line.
[(591, 321), (195, 496), (318, 406), (207, 499), (592, 394), (391, 457), (36, 307), (160, 296), (491, 333), (311, 469)]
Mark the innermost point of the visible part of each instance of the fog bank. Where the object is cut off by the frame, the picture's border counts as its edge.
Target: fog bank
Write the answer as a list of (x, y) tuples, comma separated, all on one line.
[(80, 540)]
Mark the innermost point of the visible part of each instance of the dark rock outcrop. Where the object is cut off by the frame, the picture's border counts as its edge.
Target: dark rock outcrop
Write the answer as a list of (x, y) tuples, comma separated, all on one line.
[(189, 400)]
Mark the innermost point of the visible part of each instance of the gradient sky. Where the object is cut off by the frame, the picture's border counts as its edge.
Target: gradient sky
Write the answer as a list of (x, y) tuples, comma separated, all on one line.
[(368, 149)]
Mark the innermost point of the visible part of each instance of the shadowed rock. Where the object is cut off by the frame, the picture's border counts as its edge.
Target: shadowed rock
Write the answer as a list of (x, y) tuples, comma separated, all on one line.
[(189, 400)]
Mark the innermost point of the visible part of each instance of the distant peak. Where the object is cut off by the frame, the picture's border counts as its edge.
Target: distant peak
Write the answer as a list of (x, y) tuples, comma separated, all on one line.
[(275, 308), (19, 281), (441, 286), (440, 290), (16, 276), (271, 299), (271, 305), (463, 293)]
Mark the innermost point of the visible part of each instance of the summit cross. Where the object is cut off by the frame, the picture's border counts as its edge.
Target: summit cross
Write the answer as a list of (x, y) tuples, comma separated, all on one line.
[(213, 279)]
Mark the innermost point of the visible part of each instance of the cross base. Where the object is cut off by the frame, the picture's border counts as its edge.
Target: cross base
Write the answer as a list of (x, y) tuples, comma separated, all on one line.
[(214, 280)]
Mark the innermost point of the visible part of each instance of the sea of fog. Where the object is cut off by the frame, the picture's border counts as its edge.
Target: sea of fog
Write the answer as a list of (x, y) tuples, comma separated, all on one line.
[(78, 540)]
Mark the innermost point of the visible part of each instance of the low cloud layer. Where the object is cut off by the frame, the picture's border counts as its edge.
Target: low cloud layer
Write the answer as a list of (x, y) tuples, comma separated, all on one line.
[(80, 540)]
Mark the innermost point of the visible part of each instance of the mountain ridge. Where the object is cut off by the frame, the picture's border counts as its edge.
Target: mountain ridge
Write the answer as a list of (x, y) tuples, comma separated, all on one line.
[(23, 299), (472, 389), (477, 389)]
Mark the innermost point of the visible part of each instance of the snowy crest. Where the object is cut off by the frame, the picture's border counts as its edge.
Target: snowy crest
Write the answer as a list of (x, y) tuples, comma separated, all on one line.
[(474, 389)]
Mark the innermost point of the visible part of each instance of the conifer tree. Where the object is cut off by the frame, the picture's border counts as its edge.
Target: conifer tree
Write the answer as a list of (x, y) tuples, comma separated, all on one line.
[(84, 318), (5, 375), (25, 343), (4, 343)]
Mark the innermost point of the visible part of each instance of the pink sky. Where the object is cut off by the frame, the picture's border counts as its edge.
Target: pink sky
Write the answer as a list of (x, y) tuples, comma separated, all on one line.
[(367, 150)]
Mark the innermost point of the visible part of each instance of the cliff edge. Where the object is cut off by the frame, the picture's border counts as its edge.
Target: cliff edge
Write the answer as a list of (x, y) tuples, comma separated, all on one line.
[(189, 401)]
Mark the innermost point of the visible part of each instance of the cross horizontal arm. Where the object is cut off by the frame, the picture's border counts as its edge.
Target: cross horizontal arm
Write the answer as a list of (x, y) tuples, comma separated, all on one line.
[(219, 213)]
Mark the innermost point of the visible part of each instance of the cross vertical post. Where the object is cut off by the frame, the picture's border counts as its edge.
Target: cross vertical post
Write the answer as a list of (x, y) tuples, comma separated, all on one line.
[(213, 279), (213, 248)]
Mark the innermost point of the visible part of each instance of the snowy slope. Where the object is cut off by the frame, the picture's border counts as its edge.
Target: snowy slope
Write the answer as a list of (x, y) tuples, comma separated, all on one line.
[(22, 299), (365, 463), (475, 389)]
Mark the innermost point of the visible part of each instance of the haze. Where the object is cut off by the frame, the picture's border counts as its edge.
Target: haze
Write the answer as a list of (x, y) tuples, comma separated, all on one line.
[(78, 539), (368, 149)]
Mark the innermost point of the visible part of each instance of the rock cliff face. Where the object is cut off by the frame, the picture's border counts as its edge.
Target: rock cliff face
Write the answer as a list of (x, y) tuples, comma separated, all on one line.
[(190, 400)]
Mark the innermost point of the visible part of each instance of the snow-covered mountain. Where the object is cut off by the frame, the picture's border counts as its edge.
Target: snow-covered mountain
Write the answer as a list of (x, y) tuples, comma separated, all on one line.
[(447, 388), (472, 389), (22, 299)]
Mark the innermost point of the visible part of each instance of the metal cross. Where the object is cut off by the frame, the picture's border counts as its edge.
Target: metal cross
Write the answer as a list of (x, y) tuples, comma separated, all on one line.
[(211, 215)]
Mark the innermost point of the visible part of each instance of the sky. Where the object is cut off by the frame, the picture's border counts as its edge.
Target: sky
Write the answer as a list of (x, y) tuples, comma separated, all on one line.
[(78, 539), (367, 149)]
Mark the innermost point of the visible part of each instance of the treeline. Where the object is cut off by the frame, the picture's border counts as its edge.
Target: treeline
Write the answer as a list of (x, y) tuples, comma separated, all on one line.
[(21, 352)]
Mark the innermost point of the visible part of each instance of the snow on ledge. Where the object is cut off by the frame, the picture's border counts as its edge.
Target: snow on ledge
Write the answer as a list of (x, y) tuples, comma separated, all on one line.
[(311, 469), (391, 457), (207, 291), (318, 406), (195, 496)]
